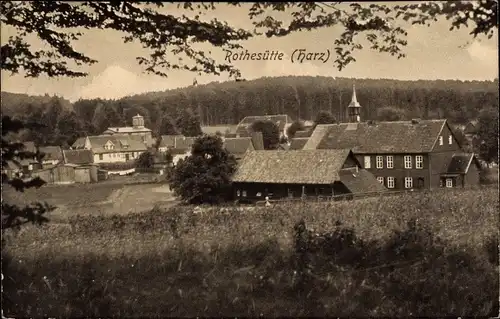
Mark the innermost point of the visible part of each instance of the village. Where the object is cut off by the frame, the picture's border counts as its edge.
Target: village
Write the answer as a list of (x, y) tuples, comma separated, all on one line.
[(353, 157)]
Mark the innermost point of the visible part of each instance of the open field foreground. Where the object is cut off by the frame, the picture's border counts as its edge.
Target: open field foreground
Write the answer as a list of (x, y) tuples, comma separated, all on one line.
[(426, 254)]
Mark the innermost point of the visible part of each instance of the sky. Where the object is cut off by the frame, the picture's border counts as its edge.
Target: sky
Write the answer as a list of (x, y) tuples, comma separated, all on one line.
[(432, 53)]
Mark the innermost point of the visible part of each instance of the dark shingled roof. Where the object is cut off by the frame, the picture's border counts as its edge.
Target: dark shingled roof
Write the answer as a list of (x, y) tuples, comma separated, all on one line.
[(379, 137), (79, 157), (51, 153), (287, 167), (298, 143), (122, 143), (360, 181), (178, 142), (460, 163)]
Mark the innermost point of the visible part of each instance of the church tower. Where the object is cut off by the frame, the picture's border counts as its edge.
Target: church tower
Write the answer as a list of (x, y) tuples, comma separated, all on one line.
[(354, 108)]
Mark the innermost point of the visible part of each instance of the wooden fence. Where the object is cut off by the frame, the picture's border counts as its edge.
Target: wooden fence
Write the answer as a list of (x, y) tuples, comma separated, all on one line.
[(384, 194)]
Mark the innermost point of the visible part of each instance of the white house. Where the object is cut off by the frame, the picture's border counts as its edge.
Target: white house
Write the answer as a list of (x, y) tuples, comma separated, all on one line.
[(112, 148)]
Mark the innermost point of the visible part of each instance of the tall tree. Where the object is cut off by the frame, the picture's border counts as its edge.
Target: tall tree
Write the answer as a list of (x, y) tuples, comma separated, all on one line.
[(12, 215), (167, 126), (188, 124), (205, 175), (270, 133), (487, 135)]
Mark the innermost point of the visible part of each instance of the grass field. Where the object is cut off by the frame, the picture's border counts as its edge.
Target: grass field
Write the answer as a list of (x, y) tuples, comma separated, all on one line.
[(110, 197), (256, 262)]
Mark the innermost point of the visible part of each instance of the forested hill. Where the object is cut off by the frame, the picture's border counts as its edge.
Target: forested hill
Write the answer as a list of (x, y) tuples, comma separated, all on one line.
[(304, 96), (228, 102)]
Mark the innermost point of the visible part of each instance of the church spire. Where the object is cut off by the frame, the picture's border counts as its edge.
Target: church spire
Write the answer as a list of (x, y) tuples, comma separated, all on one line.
[(354, 108), (354, 100)]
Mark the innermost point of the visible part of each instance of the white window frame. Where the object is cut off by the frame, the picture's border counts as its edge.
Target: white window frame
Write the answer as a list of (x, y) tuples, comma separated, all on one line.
[(450, 139), (449, 183), (389, 161), (379, 160), (368, 163), (419, 161), (408, 182), (380, 179), (390, 182), (440, 140), (244, 193), (407, 160)]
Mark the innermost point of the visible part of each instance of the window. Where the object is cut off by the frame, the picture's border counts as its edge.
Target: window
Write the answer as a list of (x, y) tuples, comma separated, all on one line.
[(390, 182), (449, 182), (450, 139), (380, 179), (244, 193), (440, 140), (380, 162), (440, 182), (408, 182), (100, 157), (419, 161), (367, 162), (420, 182), (238, 193), (407, 161), (259, 194), (390, 161)]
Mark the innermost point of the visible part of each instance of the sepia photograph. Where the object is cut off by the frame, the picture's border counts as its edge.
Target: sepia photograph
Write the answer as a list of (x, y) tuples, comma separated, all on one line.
[(250, 159)]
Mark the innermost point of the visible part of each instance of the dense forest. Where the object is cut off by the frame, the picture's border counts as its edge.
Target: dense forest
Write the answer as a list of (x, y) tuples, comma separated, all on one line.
[(301, 97)]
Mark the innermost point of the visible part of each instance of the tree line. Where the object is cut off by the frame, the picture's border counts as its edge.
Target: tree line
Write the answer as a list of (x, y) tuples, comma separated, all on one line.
[(301, 97)]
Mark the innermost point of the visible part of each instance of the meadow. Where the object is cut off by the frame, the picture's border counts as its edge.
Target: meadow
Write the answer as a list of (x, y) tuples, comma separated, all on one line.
[(423, 254)]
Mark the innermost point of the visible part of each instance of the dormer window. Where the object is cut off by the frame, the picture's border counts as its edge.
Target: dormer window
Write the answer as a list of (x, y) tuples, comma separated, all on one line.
[(109, 146), (441, 140)]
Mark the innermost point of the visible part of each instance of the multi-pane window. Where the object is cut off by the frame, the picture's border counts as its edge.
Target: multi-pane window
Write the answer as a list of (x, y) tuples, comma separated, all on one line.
[(440, 182), (390, 182), (380, 179), (449, 182), (419, 161), (390, 161), (440, 140), (244, 193), (407, 160), (367, 162), (380, 161), (450, 139), (408, 182)]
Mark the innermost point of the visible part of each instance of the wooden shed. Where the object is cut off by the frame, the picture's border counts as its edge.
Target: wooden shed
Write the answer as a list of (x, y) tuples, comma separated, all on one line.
[(86, 174), (58, 174)]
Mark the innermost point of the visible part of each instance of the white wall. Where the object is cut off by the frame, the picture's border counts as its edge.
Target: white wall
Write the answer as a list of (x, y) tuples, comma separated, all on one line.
[(117, 157)]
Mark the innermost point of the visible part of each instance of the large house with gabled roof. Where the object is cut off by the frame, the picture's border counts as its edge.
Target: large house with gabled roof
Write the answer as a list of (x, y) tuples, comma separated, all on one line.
[(281, 174), (112, 148), (402, 154)]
